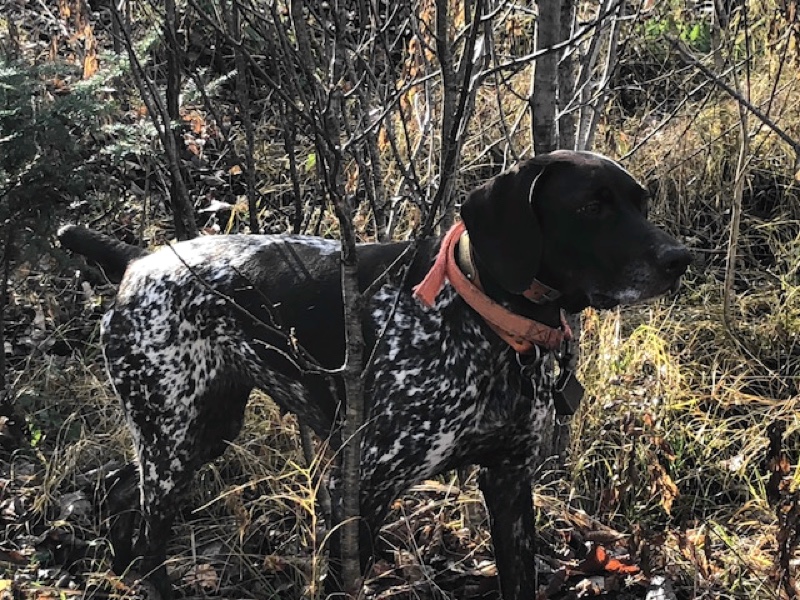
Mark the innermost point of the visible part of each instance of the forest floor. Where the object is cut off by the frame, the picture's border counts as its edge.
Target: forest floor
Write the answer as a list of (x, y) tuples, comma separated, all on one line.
[(682, 477), (675, 485)]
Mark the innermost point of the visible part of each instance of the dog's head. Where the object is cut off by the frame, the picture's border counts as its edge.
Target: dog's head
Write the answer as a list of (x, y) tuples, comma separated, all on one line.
[(576, 221)]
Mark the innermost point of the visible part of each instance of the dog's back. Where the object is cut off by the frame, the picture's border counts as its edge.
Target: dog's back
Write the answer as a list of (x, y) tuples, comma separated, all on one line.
[(197, 325)]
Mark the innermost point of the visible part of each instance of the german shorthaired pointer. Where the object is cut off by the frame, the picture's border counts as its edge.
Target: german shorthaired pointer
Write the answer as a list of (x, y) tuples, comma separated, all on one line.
[(460, 372)]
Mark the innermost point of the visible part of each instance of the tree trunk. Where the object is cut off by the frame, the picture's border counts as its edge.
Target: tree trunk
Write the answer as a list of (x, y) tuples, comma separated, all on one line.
[(243, 95), (330, 112), (543, 99), (182, 208), (444, 54), (567, 128)]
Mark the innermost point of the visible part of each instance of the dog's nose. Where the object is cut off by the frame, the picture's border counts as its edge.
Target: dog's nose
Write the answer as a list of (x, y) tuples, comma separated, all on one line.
[(674, 260)]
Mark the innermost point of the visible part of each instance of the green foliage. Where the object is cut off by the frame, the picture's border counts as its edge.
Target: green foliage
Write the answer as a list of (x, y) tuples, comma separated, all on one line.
[(691, 27), (43, 137), (55, 145)]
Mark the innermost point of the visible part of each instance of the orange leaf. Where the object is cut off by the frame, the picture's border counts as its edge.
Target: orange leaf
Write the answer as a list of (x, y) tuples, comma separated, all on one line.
[(780, 465), (598, 561), (198, 124), (594, 561), (90, 62), (617, 566)]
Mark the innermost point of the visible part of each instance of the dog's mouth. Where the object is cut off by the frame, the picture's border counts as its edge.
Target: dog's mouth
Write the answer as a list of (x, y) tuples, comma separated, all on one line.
[(633, 295), (602, 301), (676, 285), (670, 288)]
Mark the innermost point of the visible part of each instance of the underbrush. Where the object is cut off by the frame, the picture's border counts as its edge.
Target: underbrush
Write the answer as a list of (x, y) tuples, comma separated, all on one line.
[(684, 455), (672, 445), (669, 462)]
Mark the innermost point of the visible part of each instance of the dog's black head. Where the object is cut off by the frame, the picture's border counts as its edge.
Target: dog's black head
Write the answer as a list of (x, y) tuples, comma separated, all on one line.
[(577, 221)]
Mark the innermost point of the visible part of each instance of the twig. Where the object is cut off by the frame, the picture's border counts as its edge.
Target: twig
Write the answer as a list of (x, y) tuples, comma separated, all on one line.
[(452, 140), (4, 302), (185, 224), (691, 60), (611, 64)]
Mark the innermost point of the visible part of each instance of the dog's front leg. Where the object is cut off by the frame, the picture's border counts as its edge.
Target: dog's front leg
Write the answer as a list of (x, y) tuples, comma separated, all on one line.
[(507, 493)]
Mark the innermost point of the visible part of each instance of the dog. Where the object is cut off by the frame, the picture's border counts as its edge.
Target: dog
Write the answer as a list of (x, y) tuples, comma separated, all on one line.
[(460, 342)]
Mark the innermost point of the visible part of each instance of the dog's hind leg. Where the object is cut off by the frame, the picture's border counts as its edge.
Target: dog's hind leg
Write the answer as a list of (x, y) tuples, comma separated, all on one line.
[(160, 502), (171, 445), (122, 506)]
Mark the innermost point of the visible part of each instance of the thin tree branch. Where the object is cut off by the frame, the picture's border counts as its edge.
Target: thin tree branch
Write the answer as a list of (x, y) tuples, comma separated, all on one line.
[(243, 95), (691, 60), (184, 219)]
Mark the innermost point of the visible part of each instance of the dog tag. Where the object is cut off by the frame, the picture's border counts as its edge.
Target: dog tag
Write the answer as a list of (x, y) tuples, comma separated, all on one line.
[(567, 394)]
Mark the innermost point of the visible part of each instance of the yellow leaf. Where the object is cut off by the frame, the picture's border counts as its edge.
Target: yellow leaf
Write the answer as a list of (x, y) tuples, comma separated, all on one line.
[(90, 65), (6, 589), (664, 486)]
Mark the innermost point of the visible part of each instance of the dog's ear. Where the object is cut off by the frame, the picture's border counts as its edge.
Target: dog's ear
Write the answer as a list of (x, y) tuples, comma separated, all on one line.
[(503, 227)]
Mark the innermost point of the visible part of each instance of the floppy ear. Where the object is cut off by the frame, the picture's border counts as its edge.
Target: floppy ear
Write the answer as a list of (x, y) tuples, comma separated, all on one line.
[(503, 227)]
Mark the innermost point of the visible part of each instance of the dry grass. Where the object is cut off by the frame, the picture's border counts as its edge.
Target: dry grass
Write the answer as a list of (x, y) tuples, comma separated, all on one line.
[(669, 449), (672, 442)]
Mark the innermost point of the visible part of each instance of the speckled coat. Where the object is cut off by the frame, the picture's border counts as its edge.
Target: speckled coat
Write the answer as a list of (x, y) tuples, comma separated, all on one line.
[(198, 325), (443, 391)]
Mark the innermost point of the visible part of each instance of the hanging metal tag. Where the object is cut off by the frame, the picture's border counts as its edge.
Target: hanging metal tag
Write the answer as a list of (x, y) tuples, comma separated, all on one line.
[(567, 394)]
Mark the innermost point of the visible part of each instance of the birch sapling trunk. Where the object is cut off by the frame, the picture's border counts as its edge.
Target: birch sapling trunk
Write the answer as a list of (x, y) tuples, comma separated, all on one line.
[(543, 98)]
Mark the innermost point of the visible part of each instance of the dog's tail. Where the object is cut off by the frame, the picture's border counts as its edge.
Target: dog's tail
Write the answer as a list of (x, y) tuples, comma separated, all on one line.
[(112, 255)]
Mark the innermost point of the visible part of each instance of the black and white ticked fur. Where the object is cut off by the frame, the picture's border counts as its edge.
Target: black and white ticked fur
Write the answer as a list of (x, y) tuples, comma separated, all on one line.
[(198, 325)]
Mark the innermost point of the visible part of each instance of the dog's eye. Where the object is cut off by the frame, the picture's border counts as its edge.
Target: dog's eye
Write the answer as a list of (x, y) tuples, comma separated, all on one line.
[(592, 209)]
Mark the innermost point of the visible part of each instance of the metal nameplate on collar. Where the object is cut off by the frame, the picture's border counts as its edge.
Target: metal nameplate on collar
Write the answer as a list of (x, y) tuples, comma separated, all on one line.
[(540, 293), (567, 394)]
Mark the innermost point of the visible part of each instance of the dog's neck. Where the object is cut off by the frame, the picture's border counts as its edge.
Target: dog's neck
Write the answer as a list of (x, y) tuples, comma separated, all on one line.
[(548, 312)]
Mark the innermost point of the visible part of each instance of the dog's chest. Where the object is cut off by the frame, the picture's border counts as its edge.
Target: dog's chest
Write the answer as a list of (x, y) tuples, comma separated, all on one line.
[(448, 394)]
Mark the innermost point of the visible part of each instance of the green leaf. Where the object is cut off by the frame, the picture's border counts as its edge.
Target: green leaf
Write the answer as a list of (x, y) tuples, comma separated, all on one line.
[(311, 162)]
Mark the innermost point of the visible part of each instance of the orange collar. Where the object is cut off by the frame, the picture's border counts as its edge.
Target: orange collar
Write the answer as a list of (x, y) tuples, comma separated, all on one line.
[(519, 332)]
